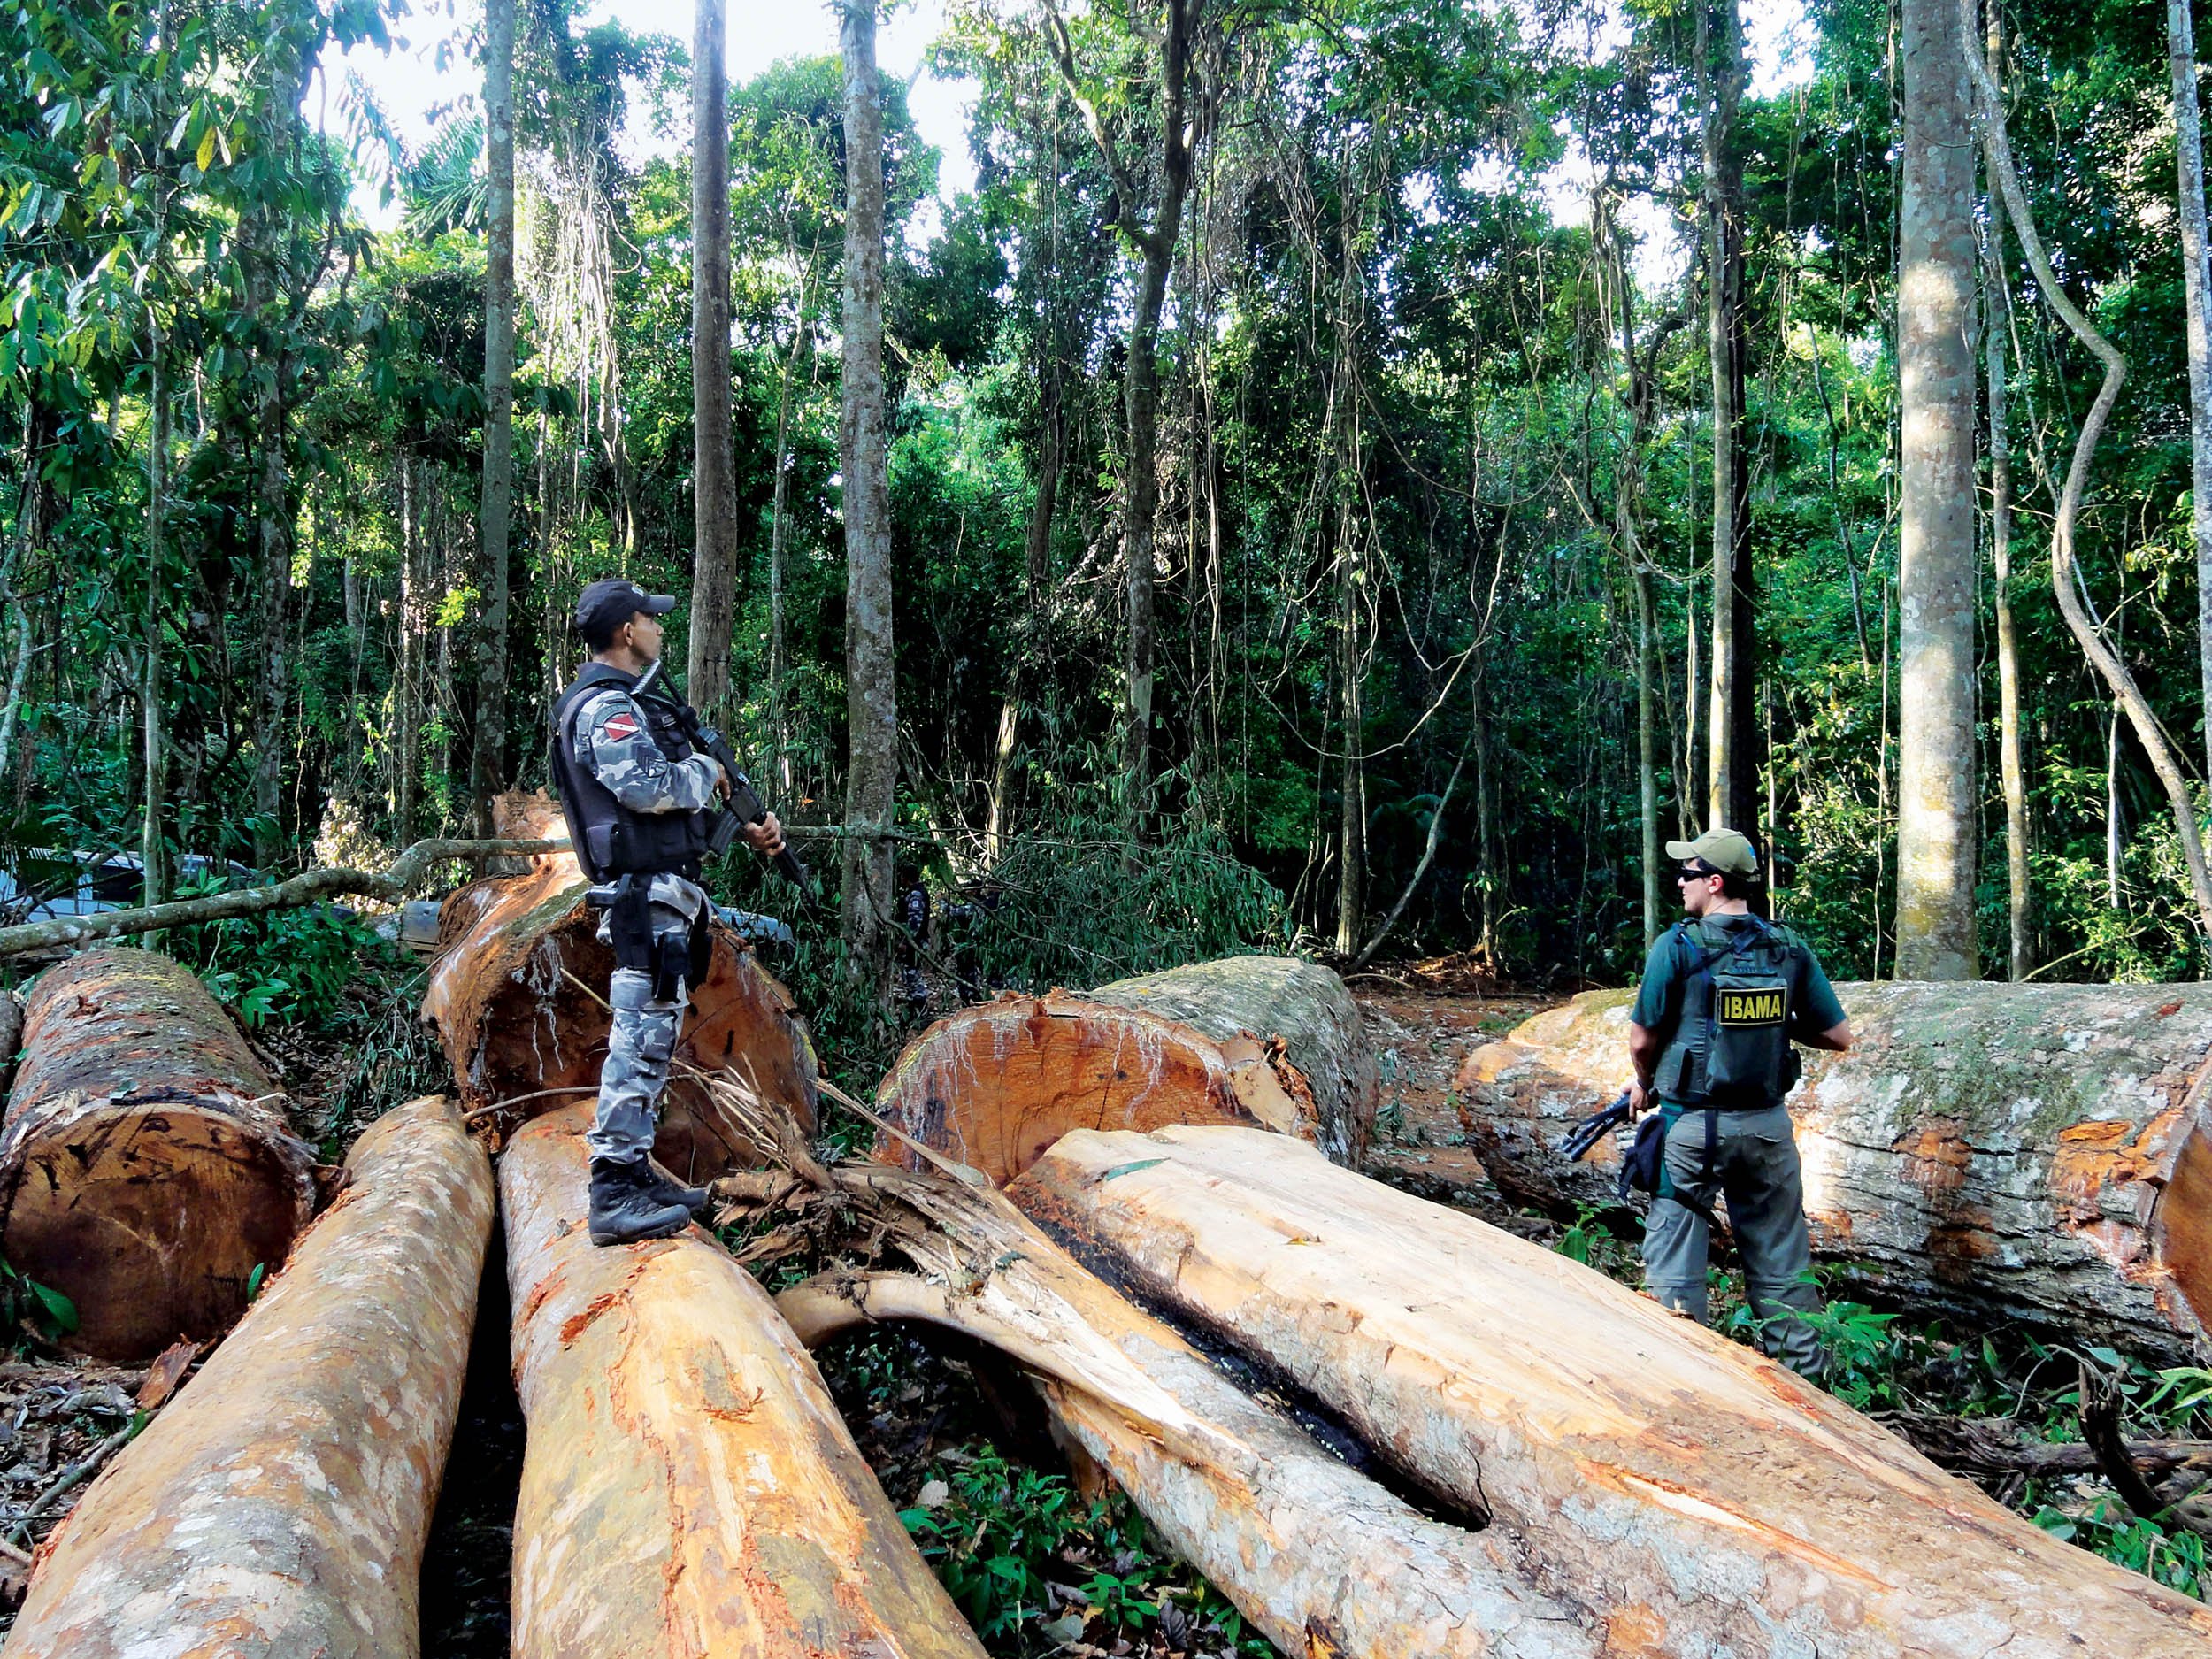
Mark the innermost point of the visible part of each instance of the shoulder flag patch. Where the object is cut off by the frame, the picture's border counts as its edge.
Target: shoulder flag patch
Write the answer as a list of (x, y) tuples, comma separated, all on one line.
[(622, 725)]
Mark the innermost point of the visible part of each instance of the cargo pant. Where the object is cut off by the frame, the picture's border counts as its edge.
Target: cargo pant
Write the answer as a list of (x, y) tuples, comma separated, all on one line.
[(641, 1043), (1754, 1162)]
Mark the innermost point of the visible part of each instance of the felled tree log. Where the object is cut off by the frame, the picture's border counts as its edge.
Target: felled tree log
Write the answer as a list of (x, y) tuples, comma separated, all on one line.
[(2035, 1152), (1704, 1498), (279, 1505), (1317, 1555), (688, 1487), (146, 1168), (1228, 1041), (516, 996)]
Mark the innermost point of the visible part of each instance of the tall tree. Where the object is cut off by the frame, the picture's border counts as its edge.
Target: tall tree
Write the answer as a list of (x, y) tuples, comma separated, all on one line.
[(870, 686), (2181, 53), (714, 478), (2011, 767), (1181, 121), (1733, 770), (1936, 819), (487, 754)]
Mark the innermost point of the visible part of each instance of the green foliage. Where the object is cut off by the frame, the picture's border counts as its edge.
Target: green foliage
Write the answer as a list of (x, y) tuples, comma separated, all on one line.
[(280, 967), (31, 1312)]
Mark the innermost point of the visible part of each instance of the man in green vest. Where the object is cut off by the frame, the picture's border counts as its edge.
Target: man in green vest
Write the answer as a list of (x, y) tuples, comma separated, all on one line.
[(1724, 995)]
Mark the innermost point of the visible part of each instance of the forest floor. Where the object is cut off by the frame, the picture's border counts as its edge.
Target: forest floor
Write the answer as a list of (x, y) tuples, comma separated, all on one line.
[(1039, 1565)]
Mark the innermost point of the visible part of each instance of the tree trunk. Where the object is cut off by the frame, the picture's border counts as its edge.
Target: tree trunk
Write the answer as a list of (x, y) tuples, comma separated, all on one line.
[(146, 1169), (152, 849), (281, 1503), (2181, 52), (407, 673), (1316, 1553), (488, 753), (1037, 547), (1141, 401), (1527, 1387), (779, 555), (1733, 743), (1351, 867), (2033, 1153), (2011, 768), (1248, 1040), (516, 994), (687, 1487), (714, 485), (1936, 817), (871, 684)]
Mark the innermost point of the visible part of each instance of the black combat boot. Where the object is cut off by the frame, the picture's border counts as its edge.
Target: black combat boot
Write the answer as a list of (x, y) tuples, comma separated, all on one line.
[(625, 1209), (669, 1190)]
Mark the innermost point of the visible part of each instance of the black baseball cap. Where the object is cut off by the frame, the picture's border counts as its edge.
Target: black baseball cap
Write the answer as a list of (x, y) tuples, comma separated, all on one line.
[(606, 606)]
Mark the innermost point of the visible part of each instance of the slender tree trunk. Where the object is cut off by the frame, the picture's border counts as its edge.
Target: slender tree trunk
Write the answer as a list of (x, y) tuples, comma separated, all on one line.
[(2115, 832), (2012, 772), (1485, 818), (1141, 401), (1936, 826), (1732, 787), (1686, 797), (872, 691), (2181, 51), (487, 756), (1038, 546), (407, 676), (777, 554), (153, 863), (1352, 825), (556, 668), (714, 478)]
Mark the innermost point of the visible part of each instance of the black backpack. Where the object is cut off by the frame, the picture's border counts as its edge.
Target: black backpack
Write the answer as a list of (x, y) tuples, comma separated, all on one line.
[(1733, 1047)]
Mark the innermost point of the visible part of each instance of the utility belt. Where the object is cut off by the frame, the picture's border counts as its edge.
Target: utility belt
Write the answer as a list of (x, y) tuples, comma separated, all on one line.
[(677, 957)]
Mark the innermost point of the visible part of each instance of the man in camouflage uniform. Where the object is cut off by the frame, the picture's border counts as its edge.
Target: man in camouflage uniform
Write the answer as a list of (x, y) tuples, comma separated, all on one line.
[(637, 798)]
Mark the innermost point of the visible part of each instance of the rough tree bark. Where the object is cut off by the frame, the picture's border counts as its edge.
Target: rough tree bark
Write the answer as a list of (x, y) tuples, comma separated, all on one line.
[(1250, 1040), (1733, 770), (1317, 1555), (2011, 765), (2040, 1153), (714, 476), (2181, 54), (687, 1486), (516, 996), (146, 1169), (1936, 817), (1655, 1472), (279, 1504), (487, 751), (871, 682)]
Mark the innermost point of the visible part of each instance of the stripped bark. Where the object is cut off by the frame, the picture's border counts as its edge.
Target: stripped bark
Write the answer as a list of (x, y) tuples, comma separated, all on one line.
[(1250, 1040), (281, 1503), (146, 1168), (2040, 1153), (516, 996), (687, 1486), (1700, 1496), (1317, 1555)]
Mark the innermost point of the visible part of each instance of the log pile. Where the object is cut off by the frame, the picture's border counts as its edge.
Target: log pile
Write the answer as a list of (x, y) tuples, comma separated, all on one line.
[(516, 996), (1689, 1492), (687, 1486), (2038, 1152), (280, 1502), (1250, 1040), (146, 1169)]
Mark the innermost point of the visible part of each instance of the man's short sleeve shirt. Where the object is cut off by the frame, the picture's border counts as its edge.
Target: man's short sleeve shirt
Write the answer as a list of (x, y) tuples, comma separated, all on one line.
[(1658, 1004)]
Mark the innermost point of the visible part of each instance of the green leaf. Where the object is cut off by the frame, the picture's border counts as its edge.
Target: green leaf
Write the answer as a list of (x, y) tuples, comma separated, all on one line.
[(254, 1279), (205, 158), (58, 1307)]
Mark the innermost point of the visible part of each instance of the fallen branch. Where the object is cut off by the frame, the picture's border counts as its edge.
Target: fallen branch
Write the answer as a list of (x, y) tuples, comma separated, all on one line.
[(2101, 1432), (328, 881), (1990, 1448)]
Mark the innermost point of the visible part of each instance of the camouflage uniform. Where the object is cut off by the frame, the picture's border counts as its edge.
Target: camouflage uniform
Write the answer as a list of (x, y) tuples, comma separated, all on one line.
[(613, 742)]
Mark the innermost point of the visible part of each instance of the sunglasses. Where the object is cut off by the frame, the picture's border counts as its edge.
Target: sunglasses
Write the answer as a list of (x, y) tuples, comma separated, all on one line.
[(1681, 876)]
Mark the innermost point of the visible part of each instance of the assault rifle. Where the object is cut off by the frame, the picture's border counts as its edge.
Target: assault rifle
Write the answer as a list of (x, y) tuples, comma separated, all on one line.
[(745, 806), (1595, 1128)]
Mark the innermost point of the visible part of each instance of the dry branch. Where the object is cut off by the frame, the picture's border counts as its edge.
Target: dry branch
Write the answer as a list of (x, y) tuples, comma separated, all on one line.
[(1703, 1498), (393, 883), (280, 1503)]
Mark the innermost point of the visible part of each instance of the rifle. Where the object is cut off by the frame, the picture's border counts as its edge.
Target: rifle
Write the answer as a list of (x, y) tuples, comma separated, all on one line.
[(745, 806), (1595, 1128)]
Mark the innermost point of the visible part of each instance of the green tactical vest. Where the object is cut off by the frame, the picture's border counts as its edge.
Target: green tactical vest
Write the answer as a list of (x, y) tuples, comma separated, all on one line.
[(1730, 1047)]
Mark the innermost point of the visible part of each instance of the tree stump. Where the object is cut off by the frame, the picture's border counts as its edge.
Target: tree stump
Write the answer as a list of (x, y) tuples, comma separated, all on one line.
[(1692, 1492), (516, 996), (994, 1086), (2032, 1152), (279, 1505), (146, 1169), (689, 1488)]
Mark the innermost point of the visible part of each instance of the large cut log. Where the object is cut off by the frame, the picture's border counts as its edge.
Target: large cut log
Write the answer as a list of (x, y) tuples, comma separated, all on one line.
[(1319, 1556), (516, 996), (277, 1506), (687, 1486), (2033, 1152), (147, 1169), (1701, 1497), (1248, 1040)]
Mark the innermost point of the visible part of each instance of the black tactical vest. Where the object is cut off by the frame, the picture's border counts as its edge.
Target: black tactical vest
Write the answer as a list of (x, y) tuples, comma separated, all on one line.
[(1730, 1047), (609, 839)]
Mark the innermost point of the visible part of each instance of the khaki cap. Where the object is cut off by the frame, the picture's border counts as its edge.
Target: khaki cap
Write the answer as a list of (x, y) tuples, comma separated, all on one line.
[(1723, 848)]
